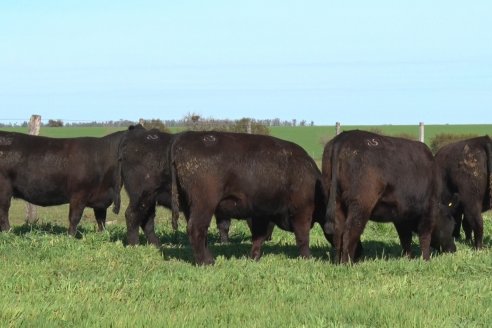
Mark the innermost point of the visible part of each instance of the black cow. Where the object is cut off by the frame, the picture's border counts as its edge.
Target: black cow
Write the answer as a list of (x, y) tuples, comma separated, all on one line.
[(244, 175), (147, 179), (466, 168), (385, 179), (45, 171)]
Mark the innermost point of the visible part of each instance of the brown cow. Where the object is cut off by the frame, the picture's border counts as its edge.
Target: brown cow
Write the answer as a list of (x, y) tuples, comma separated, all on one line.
[(385, 179)]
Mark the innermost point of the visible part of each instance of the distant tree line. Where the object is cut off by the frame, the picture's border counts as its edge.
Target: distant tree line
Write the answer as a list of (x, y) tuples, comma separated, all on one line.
[(189, 122)]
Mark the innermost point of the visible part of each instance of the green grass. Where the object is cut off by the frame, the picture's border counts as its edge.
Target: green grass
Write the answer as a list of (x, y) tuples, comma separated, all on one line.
[(51, 280)]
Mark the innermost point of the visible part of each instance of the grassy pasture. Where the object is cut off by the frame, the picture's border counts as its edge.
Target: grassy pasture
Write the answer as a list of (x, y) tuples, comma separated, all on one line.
[(51, 280)]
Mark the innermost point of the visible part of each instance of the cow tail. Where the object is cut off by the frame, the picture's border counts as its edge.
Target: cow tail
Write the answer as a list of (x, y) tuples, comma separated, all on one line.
[(118, 181), (117, 189), (174, 193), (331, 207), (320, 201), (488, 151)]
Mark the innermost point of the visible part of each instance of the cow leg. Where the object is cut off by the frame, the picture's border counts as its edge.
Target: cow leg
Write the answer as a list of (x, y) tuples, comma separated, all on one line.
[(74, 216), (4, 215), (5, 197), (329, 232), (148, 227), (424, 241), (405, 234), (458, 218), (467, 229), (197, 229), (132, 224), (223, 225), (338, 229), (271, 226), (301, 224), (4, 221), (354, 226), (425, 236), (100, 214), (259, 232), (473, 216)]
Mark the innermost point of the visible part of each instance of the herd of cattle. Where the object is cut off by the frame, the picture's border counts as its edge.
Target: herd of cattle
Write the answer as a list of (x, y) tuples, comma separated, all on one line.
[(266, 180)]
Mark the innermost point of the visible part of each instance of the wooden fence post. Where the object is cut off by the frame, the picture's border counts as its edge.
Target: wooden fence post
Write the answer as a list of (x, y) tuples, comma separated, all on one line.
[(32, 210), (337, 128), (248, 128), (421, 131)]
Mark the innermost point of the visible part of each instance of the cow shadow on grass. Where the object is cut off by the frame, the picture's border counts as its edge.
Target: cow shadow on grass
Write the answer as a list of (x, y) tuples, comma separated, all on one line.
[(47, 228), (178, 248), (175, 245), (373, 250), (240, 251)]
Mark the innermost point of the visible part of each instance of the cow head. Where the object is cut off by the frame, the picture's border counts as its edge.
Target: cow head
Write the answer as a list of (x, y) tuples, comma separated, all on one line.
[(442, 237)]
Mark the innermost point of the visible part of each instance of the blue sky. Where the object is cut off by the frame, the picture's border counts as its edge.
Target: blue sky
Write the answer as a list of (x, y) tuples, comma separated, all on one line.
[(353, 61)]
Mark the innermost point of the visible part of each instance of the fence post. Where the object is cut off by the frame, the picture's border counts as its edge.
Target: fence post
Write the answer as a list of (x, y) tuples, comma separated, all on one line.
[(32, 210), (421, 131), (248, 128), (337, 128)]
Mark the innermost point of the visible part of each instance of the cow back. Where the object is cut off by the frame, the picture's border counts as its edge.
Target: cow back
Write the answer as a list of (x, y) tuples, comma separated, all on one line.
[(48, 171), (258, 174)]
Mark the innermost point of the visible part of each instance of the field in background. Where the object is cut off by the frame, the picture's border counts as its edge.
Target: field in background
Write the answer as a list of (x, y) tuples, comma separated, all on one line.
[(311, 138), (49, 279)]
